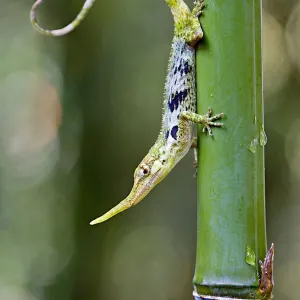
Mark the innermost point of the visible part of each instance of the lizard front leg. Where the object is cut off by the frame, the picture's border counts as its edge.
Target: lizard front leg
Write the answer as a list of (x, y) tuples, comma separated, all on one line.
[(194, 146), (206, 120)]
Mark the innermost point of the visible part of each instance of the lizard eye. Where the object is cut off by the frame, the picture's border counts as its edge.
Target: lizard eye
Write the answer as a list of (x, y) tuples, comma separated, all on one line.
[(144, 171)]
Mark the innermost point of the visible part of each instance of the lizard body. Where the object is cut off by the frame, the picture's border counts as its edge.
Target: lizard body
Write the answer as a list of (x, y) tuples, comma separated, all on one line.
[(179, 109), (65, 30)]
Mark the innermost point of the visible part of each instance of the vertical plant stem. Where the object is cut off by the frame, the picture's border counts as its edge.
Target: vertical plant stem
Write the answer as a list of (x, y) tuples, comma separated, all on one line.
[(231, 197)]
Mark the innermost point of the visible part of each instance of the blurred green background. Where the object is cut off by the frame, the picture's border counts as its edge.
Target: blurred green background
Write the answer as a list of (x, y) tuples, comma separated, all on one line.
[(79, 113)]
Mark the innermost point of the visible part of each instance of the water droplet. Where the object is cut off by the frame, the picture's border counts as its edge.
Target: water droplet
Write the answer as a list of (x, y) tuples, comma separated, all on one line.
[(252, 146), (250, 256), (262, 137)]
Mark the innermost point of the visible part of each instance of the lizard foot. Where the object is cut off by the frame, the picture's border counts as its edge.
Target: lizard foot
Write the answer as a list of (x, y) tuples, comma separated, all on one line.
[(208, 121), (198, 8)]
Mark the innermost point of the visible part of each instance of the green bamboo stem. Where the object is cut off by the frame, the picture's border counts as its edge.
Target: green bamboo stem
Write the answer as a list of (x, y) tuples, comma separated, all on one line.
[(231, 188)]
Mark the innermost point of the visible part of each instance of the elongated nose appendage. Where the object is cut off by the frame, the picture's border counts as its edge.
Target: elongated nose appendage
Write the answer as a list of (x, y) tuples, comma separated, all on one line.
[(123, 205), (147, 175), (137, 194)]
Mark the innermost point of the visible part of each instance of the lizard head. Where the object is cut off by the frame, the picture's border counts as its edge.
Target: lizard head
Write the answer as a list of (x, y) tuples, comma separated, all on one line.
[(151, 171)]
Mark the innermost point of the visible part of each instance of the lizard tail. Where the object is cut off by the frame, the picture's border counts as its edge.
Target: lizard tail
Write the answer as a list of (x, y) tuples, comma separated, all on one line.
[(65, 30)]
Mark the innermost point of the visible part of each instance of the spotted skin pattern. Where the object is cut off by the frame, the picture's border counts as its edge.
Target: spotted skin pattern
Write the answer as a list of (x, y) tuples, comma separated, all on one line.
[(179, 109), (180, 93), (65, 30)]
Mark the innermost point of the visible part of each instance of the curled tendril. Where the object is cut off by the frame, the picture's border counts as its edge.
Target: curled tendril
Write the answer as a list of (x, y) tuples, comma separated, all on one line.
[(62, 31)]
